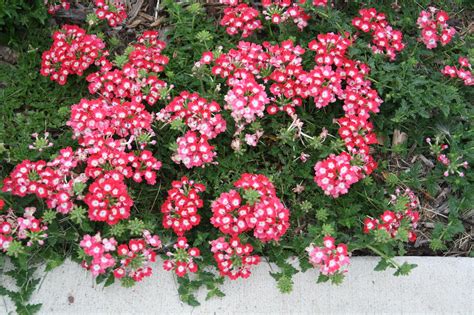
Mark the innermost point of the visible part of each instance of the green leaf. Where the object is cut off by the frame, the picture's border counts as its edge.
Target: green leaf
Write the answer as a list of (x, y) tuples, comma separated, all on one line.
[(382, 265), (405, 269)]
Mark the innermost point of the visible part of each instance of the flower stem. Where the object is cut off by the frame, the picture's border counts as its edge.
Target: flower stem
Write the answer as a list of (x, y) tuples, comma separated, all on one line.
[(381, 254)]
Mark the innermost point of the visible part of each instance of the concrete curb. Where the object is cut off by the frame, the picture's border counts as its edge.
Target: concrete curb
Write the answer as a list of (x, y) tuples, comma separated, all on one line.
[(438, 285)]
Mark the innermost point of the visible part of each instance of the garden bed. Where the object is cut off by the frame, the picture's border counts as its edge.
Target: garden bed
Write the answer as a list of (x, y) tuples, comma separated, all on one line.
[(317, 138)]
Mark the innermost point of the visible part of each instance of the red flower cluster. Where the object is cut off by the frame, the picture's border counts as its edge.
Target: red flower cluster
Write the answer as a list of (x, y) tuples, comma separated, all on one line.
[(26, 228), (108, 199), (320, 3), (73, 52), (96, 119), (463, 72), (196, 112), (138, 251), (129, 165), (38, 178), (55, 5), (391, 221), (434, 27), (357, 134), (330, 259), (279, 11), (233, 258), (180, 209), (136, 80), (385, 39), (182, 260), (113, 11), (116, 123), (264, 213), (330, 48), (239, 17)]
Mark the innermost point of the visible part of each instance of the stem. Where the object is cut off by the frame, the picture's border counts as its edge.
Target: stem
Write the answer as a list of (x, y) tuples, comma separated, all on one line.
[(381, 254)]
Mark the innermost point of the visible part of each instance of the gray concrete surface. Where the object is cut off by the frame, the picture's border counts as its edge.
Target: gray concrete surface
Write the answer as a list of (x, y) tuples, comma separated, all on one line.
[(437, 286)]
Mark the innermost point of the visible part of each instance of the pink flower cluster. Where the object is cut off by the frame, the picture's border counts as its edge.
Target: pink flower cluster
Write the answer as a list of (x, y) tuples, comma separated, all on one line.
[(180, 208), (233, 258), (129, 260), (434, 27), (205, 122), (266, 215), (73, 52), (391, 221), (99, 250), (182, 260), (337, 173), (113, 11), (196, 112), (55, 5), (280, 11), (25, 228), (463, 72), (333, 77), (194, 150), (454, 165), (240, 17), (330, 259), (385, 39)]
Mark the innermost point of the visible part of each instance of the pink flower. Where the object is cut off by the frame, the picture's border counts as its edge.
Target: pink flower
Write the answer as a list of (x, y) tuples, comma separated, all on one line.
[(113, 11), (434, 28), (464, 72), (194, 150), (330, 259)]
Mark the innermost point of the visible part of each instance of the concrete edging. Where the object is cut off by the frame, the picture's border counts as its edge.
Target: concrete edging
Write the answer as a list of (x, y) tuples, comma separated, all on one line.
[(441, 285)]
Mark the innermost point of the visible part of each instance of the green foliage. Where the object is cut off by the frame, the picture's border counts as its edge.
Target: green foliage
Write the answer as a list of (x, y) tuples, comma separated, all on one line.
[(17, 16), (26, 285)]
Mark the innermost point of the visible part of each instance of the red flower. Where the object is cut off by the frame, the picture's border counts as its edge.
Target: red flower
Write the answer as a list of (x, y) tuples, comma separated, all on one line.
[(233, 258), (182, 260), (181, 206), (73, 52)]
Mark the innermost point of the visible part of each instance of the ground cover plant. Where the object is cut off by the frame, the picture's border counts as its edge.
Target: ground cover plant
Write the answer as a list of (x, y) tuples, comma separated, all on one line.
[(219, 136)]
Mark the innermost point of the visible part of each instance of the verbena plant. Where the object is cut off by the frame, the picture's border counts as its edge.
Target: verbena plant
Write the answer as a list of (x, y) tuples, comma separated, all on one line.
[(312, 130)]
